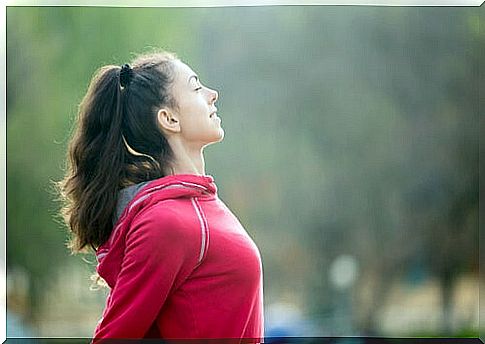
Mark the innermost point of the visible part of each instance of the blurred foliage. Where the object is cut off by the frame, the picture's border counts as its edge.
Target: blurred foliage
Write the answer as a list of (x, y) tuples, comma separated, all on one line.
[(349, 130), (52, 54)]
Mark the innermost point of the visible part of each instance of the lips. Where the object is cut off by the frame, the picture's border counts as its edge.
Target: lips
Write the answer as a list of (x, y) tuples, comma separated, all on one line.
[(213, 113)]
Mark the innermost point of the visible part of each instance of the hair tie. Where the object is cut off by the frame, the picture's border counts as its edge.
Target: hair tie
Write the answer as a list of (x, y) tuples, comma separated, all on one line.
[(126, 74)]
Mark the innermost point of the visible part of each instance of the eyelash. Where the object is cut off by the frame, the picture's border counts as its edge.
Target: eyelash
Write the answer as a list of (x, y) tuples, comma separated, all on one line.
[(198, 88)]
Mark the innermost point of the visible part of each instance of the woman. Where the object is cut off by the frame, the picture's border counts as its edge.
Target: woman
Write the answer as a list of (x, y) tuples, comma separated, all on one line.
[(177, 261)]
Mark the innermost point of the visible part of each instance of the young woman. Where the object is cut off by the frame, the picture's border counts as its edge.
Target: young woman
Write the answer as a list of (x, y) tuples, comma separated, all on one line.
[(177, 261)]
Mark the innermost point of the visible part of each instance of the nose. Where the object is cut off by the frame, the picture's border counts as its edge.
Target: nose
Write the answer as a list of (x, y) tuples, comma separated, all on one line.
[(214, 95)]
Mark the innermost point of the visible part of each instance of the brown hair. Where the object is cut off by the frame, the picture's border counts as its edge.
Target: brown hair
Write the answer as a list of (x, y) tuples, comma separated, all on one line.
[(116, 142)]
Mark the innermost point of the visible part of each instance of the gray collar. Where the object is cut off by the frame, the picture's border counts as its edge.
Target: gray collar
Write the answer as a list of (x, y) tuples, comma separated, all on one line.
[(125, 196)]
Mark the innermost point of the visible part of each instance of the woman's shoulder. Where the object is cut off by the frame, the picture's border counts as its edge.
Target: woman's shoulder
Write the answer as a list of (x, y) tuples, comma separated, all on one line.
[(170, 217)]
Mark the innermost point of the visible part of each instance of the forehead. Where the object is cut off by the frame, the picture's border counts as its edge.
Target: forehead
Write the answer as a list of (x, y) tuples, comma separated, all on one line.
[(183, 72)]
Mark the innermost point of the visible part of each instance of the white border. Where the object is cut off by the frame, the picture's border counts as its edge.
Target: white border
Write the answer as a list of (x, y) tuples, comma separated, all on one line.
[(3, 175), (137, 3), (230, 3)]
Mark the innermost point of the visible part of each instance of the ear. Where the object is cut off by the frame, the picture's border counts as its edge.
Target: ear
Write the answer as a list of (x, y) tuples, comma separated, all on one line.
[(168, 120)]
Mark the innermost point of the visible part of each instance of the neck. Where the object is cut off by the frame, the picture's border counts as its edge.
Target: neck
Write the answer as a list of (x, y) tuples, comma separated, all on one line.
[(187, 160)]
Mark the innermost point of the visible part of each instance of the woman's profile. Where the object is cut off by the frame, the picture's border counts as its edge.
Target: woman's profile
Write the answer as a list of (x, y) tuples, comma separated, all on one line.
[(177, 262)]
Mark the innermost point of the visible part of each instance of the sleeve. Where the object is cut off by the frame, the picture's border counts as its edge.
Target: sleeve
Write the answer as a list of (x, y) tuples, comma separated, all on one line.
[(160, 254)]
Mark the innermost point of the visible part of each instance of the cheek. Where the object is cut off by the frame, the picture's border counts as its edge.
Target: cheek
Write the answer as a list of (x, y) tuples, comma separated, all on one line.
[(194, 108), (194, 126), (195, 121)]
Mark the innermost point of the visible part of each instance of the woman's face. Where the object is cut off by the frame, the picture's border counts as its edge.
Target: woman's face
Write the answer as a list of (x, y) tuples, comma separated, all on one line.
[(196, 110)]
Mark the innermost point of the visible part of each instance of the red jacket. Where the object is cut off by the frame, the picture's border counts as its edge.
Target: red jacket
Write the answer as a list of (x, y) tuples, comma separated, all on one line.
[(180, 265)]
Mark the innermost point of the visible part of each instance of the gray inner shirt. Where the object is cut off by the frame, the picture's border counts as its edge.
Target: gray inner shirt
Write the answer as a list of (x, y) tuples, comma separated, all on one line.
[(125, 196)]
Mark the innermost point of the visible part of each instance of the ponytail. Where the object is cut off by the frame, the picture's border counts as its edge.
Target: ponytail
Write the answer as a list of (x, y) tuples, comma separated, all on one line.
[(116, 142)]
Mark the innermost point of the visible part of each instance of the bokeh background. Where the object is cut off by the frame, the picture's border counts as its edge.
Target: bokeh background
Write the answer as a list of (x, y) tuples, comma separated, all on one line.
[(350, 156)]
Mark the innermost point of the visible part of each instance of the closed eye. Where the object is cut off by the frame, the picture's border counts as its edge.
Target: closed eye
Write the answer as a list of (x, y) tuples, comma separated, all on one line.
[(198, 88)]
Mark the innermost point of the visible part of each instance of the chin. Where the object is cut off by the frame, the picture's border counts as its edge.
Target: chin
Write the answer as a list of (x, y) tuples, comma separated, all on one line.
[(217, 138), (221, 135)]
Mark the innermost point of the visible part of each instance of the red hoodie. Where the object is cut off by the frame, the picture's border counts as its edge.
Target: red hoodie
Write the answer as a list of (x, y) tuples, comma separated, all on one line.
[(180, 265)]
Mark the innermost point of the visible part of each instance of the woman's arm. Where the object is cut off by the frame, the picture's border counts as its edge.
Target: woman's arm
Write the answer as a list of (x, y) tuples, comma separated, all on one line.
[(160, 254)]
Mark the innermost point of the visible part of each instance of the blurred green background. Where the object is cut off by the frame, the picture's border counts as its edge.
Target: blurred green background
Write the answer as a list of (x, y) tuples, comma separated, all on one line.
[(350, 156)]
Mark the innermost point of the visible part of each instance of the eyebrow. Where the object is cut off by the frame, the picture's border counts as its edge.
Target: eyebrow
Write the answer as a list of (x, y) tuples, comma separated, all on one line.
[(193, 76)]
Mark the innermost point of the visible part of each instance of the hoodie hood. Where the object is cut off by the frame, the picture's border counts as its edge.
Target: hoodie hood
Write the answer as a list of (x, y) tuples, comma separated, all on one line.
[(133, 200)]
